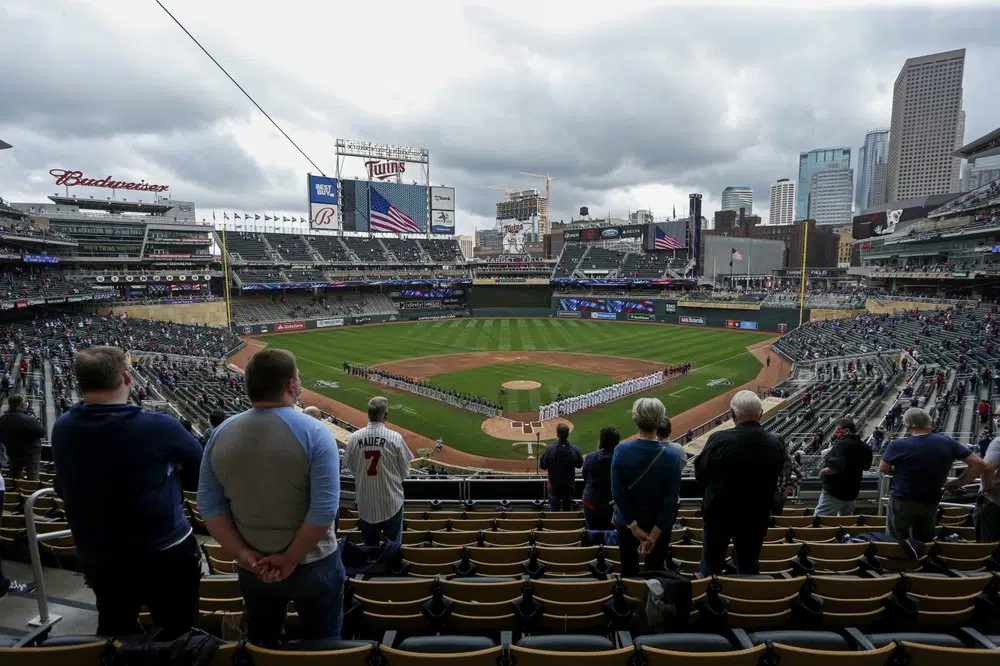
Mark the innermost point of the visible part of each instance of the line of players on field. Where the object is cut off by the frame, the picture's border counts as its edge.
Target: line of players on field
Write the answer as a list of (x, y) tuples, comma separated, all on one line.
[(466, 401), (609, 393)]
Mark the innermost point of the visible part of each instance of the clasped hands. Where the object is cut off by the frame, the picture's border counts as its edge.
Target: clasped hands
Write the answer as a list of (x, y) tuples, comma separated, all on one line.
[(646, 541), (269, 568)]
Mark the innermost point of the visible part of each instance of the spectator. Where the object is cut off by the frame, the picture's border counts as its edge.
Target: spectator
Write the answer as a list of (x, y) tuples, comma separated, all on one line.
[(561, 460), (120, 472), (269, 493), (597, 482), (984, 412), (313, 411), (380, 461), (789, 480), (986, 515), (843, 467), (739, 470), (215, 419), (645, 485), (21, 435), (919, 465), (663, 436)]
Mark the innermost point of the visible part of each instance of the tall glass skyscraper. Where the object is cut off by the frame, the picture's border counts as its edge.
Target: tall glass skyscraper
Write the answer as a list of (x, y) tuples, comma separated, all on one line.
[(830, 195), (735, 197), (811, 162), (874, 152)]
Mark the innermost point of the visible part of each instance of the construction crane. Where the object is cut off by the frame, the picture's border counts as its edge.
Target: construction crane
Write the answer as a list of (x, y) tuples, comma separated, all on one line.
[(501, 188), (544, 214)]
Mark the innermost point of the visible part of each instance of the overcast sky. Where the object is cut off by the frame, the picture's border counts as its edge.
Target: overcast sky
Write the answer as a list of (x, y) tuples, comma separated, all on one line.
[(630, 104)]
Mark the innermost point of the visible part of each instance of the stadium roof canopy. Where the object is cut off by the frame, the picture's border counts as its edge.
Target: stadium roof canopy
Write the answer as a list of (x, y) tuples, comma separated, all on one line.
[(984, 146), (925, 201), (112, 206)]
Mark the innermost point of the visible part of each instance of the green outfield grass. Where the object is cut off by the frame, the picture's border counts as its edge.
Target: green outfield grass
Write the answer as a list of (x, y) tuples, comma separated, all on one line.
[(714, 353)]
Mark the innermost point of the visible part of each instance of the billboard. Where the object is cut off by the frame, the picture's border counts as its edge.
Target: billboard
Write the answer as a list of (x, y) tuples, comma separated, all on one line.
[(691, 321), (885, 222), (606, 305), (323, 203), (443, 198), (742, 325), (356, 202), (604, 233), (442, 222)]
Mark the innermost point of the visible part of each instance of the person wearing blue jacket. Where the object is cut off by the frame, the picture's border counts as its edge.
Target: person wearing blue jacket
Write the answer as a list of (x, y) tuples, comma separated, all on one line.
[(596, 474), (561, 460), (645, 485), (120, 472)]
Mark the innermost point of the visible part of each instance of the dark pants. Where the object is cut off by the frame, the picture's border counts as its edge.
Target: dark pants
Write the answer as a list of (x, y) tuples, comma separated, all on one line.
[(561, 500), (316, 588), (391, 528), (4, 581), (747, 534), (628, 553), (598, 518), (165, 582), (26, 466), (986, 516), (910, 520)]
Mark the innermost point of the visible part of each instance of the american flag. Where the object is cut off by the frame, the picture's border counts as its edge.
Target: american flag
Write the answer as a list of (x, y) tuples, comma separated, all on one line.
[(663, 241), (736, 256), (383, 216)]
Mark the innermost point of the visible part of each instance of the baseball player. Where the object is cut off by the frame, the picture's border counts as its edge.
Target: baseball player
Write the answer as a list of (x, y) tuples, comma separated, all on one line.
[(380, 461)]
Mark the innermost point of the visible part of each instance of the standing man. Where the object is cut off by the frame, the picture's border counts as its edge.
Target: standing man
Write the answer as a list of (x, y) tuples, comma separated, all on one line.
[(120, 472), (380, 461), (561, 460), (22, 436), (843, 468), (987, 512), (920, 464), (739, 469), (269, 493)]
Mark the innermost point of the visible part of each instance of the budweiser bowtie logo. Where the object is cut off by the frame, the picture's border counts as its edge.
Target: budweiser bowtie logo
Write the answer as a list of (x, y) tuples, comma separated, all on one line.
[(381, 170), (76, 178)]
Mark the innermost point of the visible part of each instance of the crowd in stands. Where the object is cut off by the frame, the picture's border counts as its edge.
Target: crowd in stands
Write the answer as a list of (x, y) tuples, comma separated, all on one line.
[(17, 283), (286, 308), (466, 401)]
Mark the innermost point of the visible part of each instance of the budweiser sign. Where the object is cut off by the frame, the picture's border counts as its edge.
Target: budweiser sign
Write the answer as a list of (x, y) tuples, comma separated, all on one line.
[(383, 170), (75, 178)]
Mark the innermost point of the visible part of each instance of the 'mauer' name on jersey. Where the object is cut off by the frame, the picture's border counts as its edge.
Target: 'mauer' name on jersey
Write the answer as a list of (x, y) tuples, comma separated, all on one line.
[(373, 442)]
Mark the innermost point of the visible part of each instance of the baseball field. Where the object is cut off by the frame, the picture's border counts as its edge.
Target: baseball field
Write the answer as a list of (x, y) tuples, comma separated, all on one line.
[(478, 356)]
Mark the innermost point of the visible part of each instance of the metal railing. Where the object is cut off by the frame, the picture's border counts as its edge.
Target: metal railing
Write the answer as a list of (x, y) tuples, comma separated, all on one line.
[(44, 619)]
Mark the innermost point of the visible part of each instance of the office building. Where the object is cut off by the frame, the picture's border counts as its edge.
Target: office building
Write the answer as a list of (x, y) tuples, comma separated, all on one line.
[(978, 174), (873, 153), (928, 125), (466, 243), (879, 175), (810, 162), (831, 194), (735, 197), (782, 202)]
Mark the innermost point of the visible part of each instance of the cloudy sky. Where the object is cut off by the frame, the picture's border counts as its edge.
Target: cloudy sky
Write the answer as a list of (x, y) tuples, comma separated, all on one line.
[(630, 104)]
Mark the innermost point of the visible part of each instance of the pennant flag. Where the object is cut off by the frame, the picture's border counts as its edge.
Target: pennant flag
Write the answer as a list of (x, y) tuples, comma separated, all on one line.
[(224, 216), (236, 216), (213, 216), (267, 218), (664, 241), (256, 217), (383, 216)]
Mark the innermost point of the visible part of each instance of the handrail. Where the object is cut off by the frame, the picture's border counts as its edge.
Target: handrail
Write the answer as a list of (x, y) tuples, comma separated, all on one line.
[(44, 619)]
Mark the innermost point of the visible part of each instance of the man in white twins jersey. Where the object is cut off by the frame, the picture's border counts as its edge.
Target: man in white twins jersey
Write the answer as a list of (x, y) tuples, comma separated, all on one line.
[(380, 460)]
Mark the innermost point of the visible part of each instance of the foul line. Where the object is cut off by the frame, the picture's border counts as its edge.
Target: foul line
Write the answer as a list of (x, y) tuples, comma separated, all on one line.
[(686, 388)]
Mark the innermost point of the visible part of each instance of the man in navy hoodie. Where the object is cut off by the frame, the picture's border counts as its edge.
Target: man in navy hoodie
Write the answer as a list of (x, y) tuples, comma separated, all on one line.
[(561, 460), (120, 472)]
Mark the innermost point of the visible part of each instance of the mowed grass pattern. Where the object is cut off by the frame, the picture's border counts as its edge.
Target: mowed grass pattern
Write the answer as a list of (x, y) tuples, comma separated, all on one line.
[(714, 353), (554, 380)]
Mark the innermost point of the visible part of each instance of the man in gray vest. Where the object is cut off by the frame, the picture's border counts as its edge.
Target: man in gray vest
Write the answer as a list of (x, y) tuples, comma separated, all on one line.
[(269, 493)]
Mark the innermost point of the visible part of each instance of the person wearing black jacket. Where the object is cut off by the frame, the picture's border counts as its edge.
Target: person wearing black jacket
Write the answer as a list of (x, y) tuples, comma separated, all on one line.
[(843, 466), (21, 435), (597, 482), (561, 460), (738, 469)]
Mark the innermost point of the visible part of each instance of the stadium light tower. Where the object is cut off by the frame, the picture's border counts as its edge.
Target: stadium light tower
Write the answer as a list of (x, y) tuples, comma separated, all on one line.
[(548, 196)]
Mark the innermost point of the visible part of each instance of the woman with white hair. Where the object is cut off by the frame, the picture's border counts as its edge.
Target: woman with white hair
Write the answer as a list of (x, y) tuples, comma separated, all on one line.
[(739, 470), (645, 484)]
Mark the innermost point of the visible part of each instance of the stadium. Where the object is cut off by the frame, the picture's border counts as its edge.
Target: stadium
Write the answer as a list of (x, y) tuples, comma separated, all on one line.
[(548, 327)]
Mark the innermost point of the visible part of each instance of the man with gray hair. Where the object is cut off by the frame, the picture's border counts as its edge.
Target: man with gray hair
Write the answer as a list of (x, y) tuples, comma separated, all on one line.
[(738, 469), (920, 464), (380, 461)]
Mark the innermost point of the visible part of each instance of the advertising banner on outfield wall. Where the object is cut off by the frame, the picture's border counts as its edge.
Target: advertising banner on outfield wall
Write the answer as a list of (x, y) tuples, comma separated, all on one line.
[(568, 314), (289, 326), (670, 307), (604, 315), (641, 317), (743, 325), (327, 323), (692, 321), (443, 198)]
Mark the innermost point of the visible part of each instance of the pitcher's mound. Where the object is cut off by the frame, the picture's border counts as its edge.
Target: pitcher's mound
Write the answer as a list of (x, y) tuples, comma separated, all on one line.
[(520, 385), (504, 428)]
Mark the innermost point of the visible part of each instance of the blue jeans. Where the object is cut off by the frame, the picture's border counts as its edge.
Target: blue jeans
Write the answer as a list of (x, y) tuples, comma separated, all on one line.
[(391, 528), (561, 500), (747, 534), (829, 505), (316, 588)]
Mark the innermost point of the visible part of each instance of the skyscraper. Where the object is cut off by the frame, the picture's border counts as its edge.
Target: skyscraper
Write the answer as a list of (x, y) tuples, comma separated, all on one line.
[(928, 125), (830, 194), (874, 152), (810, 162), (782, 202), (735, 197)]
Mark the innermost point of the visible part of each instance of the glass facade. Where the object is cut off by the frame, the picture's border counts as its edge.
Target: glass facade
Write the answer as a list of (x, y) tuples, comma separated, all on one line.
[(874, 153), (809, 163)]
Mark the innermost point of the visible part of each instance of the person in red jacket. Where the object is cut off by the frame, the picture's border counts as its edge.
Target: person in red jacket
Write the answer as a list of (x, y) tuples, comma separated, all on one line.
[(984, 412)]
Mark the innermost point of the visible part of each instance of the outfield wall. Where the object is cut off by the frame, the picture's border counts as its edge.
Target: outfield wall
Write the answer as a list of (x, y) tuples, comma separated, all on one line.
[(511, 312), (510, 296)]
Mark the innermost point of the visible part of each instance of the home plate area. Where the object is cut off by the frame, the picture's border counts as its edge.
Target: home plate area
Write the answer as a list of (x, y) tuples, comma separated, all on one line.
[(526, 427)]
